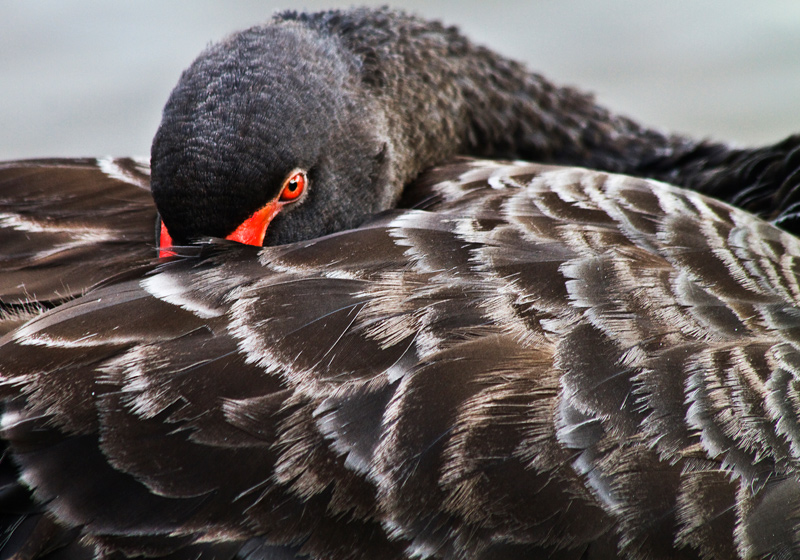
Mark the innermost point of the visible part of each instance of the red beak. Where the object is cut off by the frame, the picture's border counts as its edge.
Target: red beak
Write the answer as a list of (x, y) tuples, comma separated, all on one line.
[(164, 240), (250, 232), (254, 228)]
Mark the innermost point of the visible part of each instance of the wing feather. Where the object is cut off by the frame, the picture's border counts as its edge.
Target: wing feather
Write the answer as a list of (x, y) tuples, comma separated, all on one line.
[(68, 225), (535, 361)]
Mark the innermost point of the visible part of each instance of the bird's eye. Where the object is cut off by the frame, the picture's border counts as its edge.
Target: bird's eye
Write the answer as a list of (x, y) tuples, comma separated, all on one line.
[(294, 186)]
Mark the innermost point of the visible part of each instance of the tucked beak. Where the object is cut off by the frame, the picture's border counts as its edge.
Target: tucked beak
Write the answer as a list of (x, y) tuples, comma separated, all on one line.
[(251, 232), (254, 228), (164, 241)]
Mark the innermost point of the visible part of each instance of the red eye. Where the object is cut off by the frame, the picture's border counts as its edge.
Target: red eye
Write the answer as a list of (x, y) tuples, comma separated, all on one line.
[(294, 186)]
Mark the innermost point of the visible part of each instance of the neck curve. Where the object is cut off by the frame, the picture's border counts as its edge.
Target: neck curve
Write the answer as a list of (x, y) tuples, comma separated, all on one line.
[(442, 95)]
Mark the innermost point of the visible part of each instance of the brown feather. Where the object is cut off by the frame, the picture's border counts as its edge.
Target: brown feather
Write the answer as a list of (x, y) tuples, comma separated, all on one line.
[(566, 364)]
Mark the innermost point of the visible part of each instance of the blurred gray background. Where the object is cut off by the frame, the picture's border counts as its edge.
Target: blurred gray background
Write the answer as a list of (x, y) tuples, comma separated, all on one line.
[(89, 77)]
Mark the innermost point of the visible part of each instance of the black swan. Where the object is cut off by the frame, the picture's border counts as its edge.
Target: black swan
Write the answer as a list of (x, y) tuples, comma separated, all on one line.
[(500, 360)]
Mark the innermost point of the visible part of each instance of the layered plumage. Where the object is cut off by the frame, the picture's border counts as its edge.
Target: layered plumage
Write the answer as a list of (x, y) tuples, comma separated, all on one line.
[(520, 361), (67, 225), (544, 361)]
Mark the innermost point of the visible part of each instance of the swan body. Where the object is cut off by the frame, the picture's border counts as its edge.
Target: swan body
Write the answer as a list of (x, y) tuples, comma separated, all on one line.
[(432, 357), (545, 361)]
